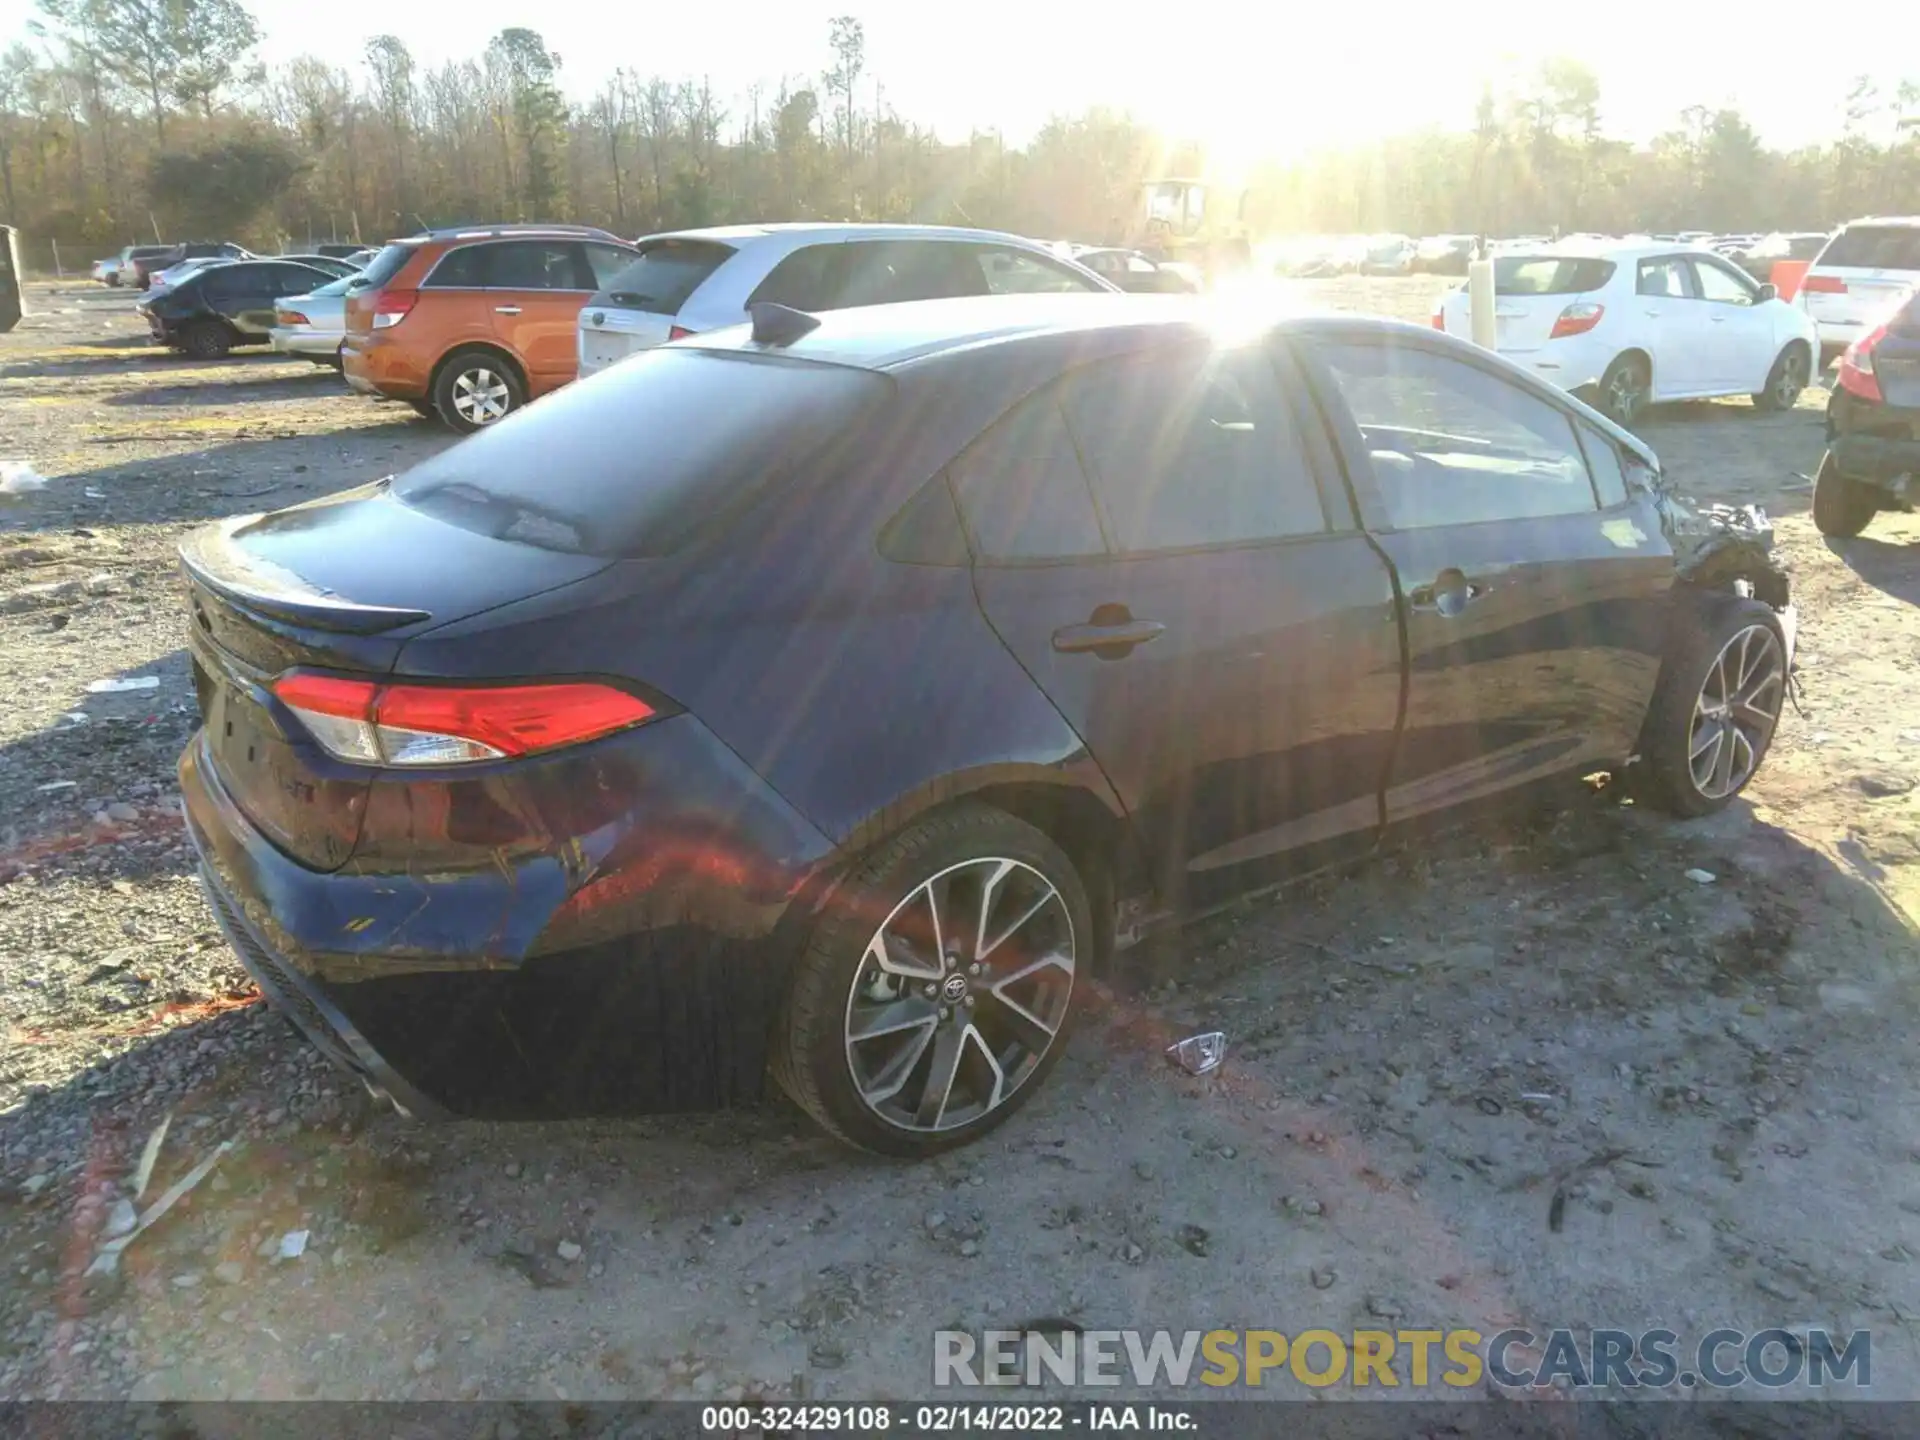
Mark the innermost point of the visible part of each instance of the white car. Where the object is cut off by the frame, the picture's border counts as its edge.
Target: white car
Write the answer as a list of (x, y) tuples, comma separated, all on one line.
[(1863, 271), (1625, 326), (695, 280)]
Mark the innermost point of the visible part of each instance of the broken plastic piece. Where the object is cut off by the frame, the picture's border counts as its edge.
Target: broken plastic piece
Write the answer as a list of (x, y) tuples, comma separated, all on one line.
[(1702, 877), (17, 477), (149, 1153), (293, 1245), (108, 1260), (114, 687), (1199, 1054)]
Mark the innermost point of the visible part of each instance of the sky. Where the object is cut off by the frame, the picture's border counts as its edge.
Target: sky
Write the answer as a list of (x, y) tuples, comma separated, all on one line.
[(1280, 80)]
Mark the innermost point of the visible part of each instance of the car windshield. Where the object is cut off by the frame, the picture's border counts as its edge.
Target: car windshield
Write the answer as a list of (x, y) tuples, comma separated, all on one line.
[(667, 272), (635, 461), (1550, 274), (1874, 247)]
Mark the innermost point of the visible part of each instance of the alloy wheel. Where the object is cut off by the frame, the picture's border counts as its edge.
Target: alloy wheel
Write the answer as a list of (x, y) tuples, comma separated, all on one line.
[(1736, 710), (1624, 395), (481, 396), (1790, 382), (960, 995)]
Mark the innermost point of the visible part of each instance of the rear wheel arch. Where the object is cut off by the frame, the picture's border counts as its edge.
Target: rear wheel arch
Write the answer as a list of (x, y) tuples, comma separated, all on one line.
[(470, 347)]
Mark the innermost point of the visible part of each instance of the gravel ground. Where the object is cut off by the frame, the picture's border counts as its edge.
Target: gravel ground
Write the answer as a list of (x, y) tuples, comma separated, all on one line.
[(1714, 1079)]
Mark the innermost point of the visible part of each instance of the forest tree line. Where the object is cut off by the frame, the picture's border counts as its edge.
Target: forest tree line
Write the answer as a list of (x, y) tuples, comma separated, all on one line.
[(123, 118)]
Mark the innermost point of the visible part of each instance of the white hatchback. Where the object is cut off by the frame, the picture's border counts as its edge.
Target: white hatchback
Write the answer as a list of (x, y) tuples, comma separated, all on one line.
[(1864, 271), (1625, 326), (695, 280)]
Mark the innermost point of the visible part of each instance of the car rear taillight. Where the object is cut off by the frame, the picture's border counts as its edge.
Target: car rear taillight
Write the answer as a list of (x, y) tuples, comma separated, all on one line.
[(1856, 367), (1577, 319), (291, 317), (1439, 317), (390, 307), (678, 332), (1824, 285), (369, 723)]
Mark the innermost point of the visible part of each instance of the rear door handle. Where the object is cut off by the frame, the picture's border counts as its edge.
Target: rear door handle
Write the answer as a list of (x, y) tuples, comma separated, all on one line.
[(1119, 637), (506, 309)]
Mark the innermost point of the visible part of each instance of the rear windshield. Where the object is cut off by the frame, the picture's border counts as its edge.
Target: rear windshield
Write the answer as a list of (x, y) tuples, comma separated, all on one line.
[(1549, 274), (1874, 247), (384, 266), (667, 272), (636, 461)]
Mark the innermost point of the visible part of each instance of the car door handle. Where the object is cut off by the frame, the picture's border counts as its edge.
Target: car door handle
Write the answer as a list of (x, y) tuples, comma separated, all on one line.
[(506, 309), (1449, 594), (1119, 637)]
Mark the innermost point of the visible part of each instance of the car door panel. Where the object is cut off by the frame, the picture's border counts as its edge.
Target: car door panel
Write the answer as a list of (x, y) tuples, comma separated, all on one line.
[(536, 290), (1741, 347), (1245, 707), (1533, 636), (1674, 324)]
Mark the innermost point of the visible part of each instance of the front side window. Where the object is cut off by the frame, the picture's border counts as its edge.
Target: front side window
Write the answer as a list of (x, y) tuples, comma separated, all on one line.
[(1721, 286), (1192, 448), (1016, 272), (1452, 444), (1021, 489), (534, 265)]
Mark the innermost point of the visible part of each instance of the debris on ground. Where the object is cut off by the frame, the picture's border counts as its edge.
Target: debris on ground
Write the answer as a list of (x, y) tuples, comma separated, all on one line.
[(1199, 1054)]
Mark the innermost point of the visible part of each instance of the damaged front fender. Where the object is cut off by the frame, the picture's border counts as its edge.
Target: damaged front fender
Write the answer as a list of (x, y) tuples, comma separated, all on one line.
[(1718, 546)]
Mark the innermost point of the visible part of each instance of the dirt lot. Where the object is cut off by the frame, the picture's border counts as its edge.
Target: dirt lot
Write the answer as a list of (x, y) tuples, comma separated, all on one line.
[(1716, 1078)]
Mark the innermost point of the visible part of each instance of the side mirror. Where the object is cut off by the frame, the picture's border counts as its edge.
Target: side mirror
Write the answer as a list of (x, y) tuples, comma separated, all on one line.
[(1766, 293)]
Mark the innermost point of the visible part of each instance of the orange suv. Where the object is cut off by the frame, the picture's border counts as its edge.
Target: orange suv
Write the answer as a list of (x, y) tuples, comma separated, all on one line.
[(470, 324)]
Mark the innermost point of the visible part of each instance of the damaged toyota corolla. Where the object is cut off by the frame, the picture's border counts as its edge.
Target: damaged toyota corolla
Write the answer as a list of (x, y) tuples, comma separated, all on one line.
[(825, 698)]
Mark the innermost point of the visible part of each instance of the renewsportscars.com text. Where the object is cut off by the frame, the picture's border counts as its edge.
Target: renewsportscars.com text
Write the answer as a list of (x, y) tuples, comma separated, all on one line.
[(1452, 1360)]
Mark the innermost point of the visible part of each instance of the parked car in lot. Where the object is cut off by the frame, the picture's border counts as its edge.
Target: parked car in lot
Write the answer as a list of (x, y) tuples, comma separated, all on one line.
[(222, 306), (697, 280), (1873, 427), (122, 269), (102, 267), (337, 266), (341, 249), (313, 326), (1388, 255), (1637, 324), (1443, 255), (1867, 266), (565, 772), (1759, 258), (470, 324), (143, 269)]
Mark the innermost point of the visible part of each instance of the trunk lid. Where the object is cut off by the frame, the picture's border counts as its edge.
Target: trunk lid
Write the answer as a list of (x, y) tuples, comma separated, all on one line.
[(1530, 292), (338, 584)]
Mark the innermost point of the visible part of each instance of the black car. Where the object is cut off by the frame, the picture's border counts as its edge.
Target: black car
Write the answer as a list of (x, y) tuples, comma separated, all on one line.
[(210, 312), (1873, 427), (919, 657), (145, 267)]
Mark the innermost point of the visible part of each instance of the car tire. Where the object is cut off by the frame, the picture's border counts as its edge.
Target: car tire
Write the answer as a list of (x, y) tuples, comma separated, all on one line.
[(1624, 389), (1841, 507), (476, 388), (1019, 992), (1786, 381), (206, 340), (1716, 705), (113, 282)]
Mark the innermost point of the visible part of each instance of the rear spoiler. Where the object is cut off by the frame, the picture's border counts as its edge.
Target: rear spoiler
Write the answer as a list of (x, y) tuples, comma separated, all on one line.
[(211, 559)]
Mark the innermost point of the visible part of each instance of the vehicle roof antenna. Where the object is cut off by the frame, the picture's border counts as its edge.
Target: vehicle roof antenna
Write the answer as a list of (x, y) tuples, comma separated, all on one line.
[(775, 324)]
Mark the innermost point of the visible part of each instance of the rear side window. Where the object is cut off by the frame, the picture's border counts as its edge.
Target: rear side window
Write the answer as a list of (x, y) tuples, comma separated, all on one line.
[(666, 274), (387, 264), (1021, 489), (1550, 274), (1452, 444), (808, 279), (462, 269), (1192, 448), (1874, 247), (569, 473)]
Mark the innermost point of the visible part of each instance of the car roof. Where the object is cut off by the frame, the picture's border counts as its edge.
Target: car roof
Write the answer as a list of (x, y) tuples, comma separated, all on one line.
[(1882, 220), (1610, 249), (893, 337), (840, 230)]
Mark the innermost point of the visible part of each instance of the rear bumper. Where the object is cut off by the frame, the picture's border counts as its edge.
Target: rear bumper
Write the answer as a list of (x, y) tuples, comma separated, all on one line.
[(1875, 444), (635, 967), (305, 340), (376, 364)]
